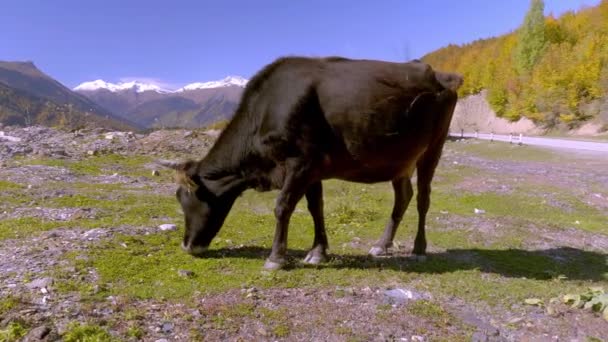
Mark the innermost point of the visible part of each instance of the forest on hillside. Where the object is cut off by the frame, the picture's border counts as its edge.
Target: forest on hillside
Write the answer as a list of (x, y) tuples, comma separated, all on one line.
[(551, 70)]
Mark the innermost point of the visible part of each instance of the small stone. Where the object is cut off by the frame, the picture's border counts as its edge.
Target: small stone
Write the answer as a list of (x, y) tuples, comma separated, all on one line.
[(479, 211), (262, 332), (167, 327), (418, 338), (162, 340), (155, 173), (167, 226), (40, 283), (185, 273), (91, 153)]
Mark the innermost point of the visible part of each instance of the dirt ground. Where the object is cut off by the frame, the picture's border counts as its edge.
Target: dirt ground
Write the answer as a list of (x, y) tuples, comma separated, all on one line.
[(50, 231)]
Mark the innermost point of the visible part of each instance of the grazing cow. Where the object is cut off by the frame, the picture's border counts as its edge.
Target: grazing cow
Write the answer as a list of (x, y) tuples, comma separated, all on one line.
[(303, 120)]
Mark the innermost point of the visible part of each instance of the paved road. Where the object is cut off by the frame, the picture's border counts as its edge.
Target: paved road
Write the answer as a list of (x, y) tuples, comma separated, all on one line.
[(546, 142)]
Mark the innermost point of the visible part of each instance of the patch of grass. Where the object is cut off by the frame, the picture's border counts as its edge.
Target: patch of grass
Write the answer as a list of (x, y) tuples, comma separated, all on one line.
[(98, 165), (523, 207), (120, 209), (8, 303), (429, 310), (25, 227), (504, 151), (13, 332), (6, 185), (135, 332), (281, 330), (78, 332)]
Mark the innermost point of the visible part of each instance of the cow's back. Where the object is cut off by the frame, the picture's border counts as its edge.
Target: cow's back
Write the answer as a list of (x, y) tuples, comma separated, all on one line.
[(384, 114), (356, 115)]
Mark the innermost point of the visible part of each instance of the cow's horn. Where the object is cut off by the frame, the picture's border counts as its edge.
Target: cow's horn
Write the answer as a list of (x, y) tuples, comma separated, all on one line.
[(169, 163)]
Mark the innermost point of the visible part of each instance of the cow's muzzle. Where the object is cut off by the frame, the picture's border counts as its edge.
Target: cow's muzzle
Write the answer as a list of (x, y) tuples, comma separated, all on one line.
[(194, 250)]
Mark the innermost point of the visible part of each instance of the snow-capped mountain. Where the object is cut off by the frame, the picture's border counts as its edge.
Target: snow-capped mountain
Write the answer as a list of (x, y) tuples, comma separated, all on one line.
[(226, 82), (149, 105), (139, 87)]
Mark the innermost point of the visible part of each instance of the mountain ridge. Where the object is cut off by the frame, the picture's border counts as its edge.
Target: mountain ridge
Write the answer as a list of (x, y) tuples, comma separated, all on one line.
[(27, 92)]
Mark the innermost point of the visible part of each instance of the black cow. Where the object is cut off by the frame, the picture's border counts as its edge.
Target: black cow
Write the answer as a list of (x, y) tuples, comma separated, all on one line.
[(303, 120)]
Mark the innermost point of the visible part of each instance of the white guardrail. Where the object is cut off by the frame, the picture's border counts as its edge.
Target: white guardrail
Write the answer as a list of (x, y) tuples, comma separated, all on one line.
[(537, 141)]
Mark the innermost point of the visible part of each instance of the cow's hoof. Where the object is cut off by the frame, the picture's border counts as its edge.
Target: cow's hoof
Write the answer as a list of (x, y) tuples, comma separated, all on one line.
[(419, 257), (273, 265), (313, 258), (378, 251)]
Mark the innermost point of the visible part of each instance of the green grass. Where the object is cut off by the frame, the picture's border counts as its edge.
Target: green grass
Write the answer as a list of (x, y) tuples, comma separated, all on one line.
[(505, 151), (98, 165), (87, 333), (13, 332), (6, 185), (26, 227), (148, 268)]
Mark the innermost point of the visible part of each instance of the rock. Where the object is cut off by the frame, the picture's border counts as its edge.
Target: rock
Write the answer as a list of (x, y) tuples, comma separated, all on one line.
[(40, 283), (399, 296), (38, 334), (167, 226), (185, 273), (91, 153), (155, 173), (162, 340), (8, 137), (94, 233), (167, 328), (479, 211)]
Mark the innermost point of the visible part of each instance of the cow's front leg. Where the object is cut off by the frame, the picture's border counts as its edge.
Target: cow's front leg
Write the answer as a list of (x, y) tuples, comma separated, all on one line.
[(318, 252), (293, 190), (403, 195)]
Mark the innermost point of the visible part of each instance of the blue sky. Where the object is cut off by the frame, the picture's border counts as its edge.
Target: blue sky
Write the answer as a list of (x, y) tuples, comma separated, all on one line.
[(177, 42)]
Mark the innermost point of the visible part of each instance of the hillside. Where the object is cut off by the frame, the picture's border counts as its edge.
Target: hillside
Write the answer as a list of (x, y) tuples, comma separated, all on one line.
[(21, 108), (553, 71), (28, 96)]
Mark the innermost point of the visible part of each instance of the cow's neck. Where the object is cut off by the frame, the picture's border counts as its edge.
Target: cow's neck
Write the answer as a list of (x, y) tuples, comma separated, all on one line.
[(227, 166)]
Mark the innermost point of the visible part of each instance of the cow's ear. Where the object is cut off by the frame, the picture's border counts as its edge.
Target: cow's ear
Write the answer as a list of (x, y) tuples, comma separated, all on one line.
[(184, 171), (449, 80)]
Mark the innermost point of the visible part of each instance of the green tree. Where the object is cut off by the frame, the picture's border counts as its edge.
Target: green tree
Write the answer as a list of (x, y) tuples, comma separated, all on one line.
[(531, 38)]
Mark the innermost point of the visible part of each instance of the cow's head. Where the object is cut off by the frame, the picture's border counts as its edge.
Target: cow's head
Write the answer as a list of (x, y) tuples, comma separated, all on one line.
[(204, 210)]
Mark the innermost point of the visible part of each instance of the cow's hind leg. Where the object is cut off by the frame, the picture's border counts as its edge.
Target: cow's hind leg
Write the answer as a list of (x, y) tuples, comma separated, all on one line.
[(425, 171), (403, 195), (293, 190), (314, 197)]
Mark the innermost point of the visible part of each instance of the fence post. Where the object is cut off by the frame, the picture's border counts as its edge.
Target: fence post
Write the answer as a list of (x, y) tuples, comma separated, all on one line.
[(510, 138), (521, 139), (476, 134)]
